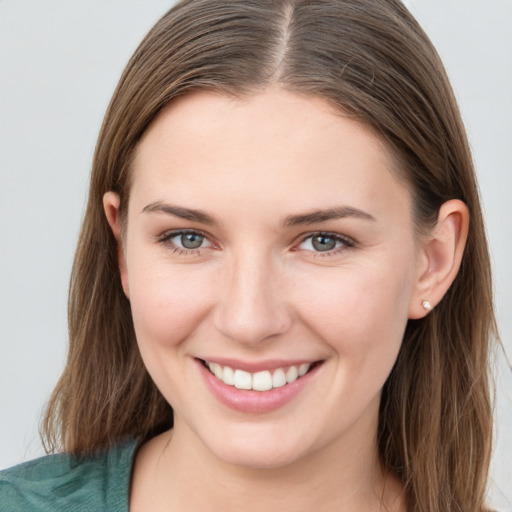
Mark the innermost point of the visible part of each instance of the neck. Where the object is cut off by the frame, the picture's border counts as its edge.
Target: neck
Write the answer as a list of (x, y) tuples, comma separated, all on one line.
[(176, 471)]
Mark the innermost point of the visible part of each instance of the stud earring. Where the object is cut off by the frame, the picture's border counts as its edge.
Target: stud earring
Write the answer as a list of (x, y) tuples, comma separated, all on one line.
[(426, 304)]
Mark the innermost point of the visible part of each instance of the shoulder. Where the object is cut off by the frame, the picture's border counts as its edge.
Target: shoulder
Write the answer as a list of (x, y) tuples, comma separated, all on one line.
[(63, 482)]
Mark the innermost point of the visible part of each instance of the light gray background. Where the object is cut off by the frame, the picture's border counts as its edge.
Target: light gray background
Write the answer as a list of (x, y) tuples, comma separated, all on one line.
[(59, 64)]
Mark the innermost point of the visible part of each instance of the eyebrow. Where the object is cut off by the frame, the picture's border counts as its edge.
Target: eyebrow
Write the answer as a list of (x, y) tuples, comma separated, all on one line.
[(292, 220), (325, 215), (180, 211)]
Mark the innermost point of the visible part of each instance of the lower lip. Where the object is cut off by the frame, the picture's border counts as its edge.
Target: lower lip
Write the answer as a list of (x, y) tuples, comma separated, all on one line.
[(255, 402)]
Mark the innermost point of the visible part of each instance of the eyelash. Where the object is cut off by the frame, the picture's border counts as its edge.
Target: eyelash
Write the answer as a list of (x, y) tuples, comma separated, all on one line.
[(165, 239), (346, 243)]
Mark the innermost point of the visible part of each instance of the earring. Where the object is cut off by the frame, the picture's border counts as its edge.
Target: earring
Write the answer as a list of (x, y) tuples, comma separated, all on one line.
[(426, 304)]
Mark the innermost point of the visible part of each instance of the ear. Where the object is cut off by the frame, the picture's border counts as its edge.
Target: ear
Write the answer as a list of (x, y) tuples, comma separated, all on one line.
[(440, 257), (111, 203)]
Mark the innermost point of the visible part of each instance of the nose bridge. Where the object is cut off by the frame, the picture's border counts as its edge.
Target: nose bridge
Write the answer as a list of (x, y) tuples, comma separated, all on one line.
[(253, 306)]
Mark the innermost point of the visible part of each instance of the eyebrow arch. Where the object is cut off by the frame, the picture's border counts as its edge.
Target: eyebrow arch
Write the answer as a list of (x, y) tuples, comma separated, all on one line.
[(324, 215), (179, 211)]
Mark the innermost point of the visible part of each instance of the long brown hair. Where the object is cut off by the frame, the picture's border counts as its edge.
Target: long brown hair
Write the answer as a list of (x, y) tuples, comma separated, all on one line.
[(371, 59)]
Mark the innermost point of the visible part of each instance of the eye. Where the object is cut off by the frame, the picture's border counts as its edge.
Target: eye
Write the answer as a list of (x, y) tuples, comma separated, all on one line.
[(325, 243), (185, 240), (190, 240)]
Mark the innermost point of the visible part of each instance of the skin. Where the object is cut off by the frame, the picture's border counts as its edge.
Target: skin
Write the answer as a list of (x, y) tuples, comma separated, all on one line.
[(258, 289)]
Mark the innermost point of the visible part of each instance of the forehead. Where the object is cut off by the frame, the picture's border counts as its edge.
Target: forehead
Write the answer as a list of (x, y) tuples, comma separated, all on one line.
[(273, 145)]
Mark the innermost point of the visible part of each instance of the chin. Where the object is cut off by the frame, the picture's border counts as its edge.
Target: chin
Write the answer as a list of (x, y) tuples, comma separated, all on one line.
[(257, 458), (253, 451)]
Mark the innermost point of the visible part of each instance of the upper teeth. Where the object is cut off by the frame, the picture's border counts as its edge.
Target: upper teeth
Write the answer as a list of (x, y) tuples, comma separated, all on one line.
[(258, 381)]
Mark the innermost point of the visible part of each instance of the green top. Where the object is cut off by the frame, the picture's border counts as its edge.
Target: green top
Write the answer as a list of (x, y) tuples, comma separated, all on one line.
[(58, 483)]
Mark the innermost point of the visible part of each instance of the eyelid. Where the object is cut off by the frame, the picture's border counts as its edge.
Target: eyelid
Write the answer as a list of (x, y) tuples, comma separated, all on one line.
[(167, 236), (347, 242), (170, 233)]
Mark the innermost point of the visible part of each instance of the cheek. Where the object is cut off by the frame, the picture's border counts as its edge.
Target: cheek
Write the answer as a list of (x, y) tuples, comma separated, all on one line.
[(168, 307), (167, 303), (360, 312), (362, 317)]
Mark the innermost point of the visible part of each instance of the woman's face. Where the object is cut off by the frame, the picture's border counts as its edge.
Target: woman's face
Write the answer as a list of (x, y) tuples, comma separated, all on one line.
[(269, 237)]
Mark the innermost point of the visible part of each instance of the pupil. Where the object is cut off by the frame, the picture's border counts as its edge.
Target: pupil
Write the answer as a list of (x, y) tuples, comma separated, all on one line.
[(191, 240), (323, 243)]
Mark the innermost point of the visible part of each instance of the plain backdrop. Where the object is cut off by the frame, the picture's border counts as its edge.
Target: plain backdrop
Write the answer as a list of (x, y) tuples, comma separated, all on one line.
[(59, 64)]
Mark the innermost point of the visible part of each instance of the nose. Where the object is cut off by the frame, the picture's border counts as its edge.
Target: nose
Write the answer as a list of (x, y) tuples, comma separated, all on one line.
[(253, 306)]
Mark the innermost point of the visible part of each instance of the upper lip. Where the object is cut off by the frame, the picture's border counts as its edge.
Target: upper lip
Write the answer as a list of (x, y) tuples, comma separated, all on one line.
[(258, 366)]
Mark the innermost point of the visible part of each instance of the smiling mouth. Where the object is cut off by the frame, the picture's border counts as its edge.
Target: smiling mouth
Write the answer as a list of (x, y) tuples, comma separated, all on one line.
[(259, 381)]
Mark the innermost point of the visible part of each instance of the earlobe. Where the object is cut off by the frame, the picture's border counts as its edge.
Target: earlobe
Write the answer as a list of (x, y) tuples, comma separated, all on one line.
[(111, 202), (441, 257)]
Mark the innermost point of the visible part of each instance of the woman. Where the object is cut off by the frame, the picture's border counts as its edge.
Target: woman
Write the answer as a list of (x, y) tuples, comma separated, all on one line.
[(282, 278)]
